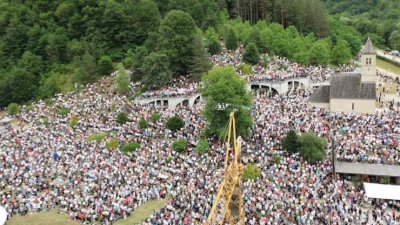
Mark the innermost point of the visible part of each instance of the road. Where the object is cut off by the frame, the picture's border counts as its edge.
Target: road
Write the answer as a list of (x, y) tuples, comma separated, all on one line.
[(393, 58)]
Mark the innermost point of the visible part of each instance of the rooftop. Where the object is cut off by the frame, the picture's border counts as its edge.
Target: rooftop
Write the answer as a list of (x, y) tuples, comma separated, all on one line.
[(368, 48)]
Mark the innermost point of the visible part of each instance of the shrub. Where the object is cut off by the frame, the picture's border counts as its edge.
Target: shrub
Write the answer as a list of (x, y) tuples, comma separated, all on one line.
[(169, 159), (175, 123), (247, 69), (122, 118), (202, 147), (213, 47), (104, 65), (73, 121), (46, 122), (155, 117), (251, 54), (112, 144), (13, 109), (130, 147), (251, 172), (291, 142), (277, 159), (143, 123), (357, 182), (179, 145), (63, 111), (96, 137), (312, 147)]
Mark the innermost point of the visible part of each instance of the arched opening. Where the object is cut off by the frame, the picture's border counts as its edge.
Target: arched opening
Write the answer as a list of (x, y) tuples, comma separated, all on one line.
[(197, 100), (254, 87), (185, 102), (271, 91), (158, 102), (296, 84), (165, 103), (152, 103)]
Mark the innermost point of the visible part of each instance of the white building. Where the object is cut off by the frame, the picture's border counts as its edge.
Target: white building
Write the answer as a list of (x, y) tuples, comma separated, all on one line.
[(351, 92)]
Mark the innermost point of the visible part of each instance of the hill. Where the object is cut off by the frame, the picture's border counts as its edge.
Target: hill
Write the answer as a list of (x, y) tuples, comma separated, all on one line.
[(378, 19)]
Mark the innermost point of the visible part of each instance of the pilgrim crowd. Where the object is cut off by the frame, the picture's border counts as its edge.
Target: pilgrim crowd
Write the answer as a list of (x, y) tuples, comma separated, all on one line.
[(45, 163)]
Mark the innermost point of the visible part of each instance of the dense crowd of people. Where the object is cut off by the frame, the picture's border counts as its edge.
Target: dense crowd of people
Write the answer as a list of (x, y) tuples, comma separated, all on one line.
[(276, 68), (179, 86), (46, 163)]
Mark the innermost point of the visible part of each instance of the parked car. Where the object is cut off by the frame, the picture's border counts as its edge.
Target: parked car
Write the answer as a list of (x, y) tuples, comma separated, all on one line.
[(395, 53)]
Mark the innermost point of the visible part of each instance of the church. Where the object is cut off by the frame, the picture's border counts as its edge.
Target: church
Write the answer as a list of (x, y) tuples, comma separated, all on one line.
[(351, 92)]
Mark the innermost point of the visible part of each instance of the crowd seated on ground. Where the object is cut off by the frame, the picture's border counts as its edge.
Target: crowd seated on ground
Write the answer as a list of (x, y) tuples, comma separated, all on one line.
[(45, 163), (179, 86), (277, 69)]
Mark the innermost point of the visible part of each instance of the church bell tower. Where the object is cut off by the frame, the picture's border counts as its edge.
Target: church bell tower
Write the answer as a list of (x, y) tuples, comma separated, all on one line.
[(368, 62)]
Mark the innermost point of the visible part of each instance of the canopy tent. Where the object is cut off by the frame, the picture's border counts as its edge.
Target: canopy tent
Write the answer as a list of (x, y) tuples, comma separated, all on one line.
[(3, 215), (5, 120), (382, 191)]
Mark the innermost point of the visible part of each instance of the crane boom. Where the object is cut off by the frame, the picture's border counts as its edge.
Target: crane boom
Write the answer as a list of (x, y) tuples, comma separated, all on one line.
[(228, 204)]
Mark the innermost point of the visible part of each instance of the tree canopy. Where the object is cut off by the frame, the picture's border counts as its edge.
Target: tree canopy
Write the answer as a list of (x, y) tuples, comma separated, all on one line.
[(226, 92), (56, 44), (312, 147)]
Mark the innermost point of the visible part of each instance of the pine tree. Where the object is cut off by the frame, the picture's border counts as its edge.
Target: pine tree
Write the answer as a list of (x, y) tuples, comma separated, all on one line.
[(199, 62), (231, 40), (214, 47), (251, 54), (156, 70)]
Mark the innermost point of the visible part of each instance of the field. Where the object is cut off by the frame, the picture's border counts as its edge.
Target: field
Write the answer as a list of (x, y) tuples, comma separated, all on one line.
[(42, 218), (388, 66), (54, 218)]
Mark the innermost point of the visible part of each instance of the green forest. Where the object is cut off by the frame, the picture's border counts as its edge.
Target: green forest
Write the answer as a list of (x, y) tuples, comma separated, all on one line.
[(377, 19), (53, 46)]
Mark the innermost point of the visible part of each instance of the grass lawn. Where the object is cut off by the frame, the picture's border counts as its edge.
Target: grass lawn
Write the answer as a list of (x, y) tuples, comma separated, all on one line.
[(388, 66), (42, 218), (143, 212), (53, 218)]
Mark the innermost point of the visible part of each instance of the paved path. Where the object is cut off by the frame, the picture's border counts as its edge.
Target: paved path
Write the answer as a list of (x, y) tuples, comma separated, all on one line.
[(387, 56)]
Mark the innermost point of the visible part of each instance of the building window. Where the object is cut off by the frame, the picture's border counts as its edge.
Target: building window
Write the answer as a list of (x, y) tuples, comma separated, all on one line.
[(366, 61), (352, 106), (370, 61)]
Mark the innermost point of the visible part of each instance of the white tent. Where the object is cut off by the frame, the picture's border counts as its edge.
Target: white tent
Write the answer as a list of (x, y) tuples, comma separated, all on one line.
[(3, 215), (382, 191), (5, 120)]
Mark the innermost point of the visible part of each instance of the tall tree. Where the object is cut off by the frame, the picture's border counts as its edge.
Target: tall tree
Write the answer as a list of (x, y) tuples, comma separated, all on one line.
[(146, 18), (86, 68), (139, 55), (319, 53), (231, 40), (199, 62), (226, 92), (251, 54), (17, 86), (156, 69), (177, 32), (341, 53)]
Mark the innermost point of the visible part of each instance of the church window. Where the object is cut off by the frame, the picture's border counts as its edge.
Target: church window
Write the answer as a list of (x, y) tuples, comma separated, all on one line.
[(352, 106)]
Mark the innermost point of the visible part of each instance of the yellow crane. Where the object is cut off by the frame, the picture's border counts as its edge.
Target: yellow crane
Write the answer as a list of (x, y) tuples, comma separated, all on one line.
[(228, 204)]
